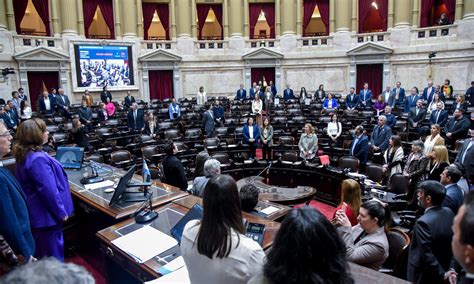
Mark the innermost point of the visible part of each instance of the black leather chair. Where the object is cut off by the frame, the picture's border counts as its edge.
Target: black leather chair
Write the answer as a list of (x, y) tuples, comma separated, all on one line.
[(210, 143), (398, 243), (121, 158), (375, 173), (349, 162), (290, 157), (223, 158), (398, 184), (193, 133), (172, 134)]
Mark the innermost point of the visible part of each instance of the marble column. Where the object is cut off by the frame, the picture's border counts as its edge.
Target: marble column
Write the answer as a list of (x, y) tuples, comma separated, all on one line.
[(173, 15), (343, 15), (3, 15), (390, 15), (246, 19), (117, 19), (225, 7), (459, 9), (10, 16), (288, 16), (354, 16), (235, 17), (402, 13), (56, 31), (139, 19), (277, 18), (415, 19), (193, 19), (468, 10), (129, 19), (299, 17), (184, 19), (80, 18), (68, 17)]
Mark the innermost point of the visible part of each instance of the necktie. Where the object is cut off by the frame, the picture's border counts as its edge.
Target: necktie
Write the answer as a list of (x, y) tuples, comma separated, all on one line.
[(135, 116), (416, 113), (437, 116)]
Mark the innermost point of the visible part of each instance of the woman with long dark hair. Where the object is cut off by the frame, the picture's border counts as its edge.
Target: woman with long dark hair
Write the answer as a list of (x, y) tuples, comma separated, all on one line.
[(266, 136), (215, 249), (393, 157), (306, 249)]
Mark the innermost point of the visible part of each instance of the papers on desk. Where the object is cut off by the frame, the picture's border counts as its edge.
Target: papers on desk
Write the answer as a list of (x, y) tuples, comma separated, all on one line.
[(175, 264), (179, 276), (105, 183), (145, 243), (269, 210)]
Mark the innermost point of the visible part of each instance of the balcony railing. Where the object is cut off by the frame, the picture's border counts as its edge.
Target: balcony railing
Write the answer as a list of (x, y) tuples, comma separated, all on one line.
[(211, 44), (372, 37), (262, 42), (436, 31), (320, 41), (157, 44), (30, 41)]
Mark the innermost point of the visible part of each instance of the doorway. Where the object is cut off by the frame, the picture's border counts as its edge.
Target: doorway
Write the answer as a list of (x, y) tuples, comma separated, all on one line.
[(38, 82), (265, 75), (161, 84), (372, 74)]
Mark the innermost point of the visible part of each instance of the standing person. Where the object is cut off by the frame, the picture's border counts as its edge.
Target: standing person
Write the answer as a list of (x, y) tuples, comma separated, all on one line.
[(46, 187), (352, 100), (334, 130), (380, 105), (428, 92), (330, 103), (257, 106), (439, 116), (308, 143), (380, 135), (102, 113), (88, 98), (439, 160), (151, 127), (456, 127), (105, 94), (46, 103), (268, 100), (388, 96), (360, 147), (14, 220), (273, 89), (447, 89), (460, 103), (135, 118), (470, 93), (393, 157), (412, 99), (430, 251), (320, 94), (85, 114), (465, 157), (251, 134), (217, 244), (288, 93), (173, 168), (22, 95), (391, 119), (110, 108), (434, 139), (399, 94), (241, 93), (79, 135), (365, 97), (350, 200), (454, 194), (201, 96), (304, 95), (266, 136), (208, 122), (415, 169), (128, 100), (25, 110), (174, 110), (63, 103)]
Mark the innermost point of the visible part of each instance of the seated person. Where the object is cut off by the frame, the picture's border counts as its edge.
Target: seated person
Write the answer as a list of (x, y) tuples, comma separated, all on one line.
[(8, 117), (350, 200), (330, 103), (457, 127), (352, 100), (380, 135), (174, 110), (241, 93), (416, 115), (249, 199), (63, 104), (79, 135), (219, 115), (439, 116), (173, 169), (212, 168), (215, 249), (306, 249), (366, 243)]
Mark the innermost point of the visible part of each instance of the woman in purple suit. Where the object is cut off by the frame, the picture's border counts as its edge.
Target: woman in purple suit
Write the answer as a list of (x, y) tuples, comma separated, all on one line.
[(46, 188)]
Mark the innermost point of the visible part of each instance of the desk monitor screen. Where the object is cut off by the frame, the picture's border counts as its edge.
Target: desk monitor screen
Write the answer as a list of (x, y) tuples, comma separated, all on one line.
[(121, 189), (70, 157), (194, 214)]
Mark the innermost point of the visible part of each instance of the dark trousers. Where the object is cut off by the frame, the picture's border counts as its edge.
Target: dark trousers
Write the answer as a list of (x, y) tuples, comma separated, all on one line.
[(252, 150), (49, 242), (266, 152)]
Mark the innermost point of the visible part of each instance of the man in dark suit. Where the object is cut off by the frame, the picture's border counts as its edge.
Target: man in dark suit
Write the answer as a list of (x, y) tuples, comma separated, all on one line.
[(389, 96), (430, 251), (135, 119), (365, 97), (129, 100), (252, 92), (457, 127), (14, 220), (105, 94), (465, 157), (8, 117), (288, 93), (412, 99), (208, 122), (251, 135), (352, 100), (399, 94), (380, 135), (463, 239), (22, 95), (62, 103), (439, 116), (428, 92), (416, 116), (241, 93), (454, 194), (360, 147), (47, 103), (391, 119), (470, 93), (273, 89), (85, 114)]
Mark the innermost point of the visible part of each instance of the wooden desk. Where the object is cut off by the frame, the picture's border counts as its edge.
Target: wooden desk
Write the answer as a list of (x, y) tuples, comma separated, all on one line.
[(190, 200), (169, 215), (99, 200), (363, 275)]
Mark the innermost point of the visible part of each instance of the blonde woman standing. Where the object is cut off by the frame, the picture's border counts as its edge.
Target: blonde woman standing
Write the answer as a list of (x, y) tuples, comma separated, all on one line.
[(308, 143)]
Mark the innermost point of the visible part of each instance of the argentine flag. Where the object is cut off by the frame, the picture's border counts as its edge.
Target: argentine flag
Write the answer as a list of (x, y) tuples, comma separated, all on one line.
[(146, 173)]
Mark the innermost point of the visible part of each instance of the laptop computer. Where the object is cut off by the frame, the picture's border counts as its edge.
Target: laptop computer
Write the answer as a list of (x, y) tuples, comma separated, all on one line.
[(70, 157), (195, 213)]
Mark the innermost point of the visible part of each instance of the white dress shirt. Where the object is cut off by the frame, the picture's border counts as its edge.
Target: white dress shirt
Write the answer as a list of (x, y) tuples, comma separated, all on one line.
[(201, 98), (47, 104), (257, 106), (244, 261)]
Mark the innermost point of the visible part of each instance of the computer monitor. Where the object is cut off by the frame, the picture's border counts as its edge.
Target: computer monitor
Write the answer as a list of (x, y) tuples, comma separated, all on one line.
[(121, 189), (70, 157)]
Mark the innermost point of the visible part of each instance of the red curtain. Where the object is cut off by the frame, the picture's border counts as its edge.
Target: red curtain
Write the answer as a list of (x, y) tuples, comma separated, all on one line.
[(164, 14), (148, 12), (269, 10), (42, 8), (323, 6), (108, 13), (202, 11), (254, 12), (217, 8), (426, 7), (372, 74), (367, 21), (161, 84), (19, 8), (308, 8), (39, 82), (383, 12), (258, 74), (89, 7), (451, 6)]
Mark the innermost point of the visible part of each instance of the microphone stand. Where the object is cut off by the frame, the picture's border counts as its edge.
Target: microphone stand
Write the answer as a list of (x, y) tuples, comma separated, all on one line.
[(146, 214), (267, 169), (93, 178)]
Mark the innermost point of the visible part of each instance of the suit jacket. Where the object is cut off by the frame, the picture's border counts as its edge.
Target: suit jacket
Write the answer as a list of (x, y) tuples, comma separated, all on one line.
[(458, 128), (148, 130), (80, 137), (470, 95), (9, 119), (137, 124), (391, 98), (246, 134), (468, 162), (208, 122), (320, 97), (174, 172), (128, 101), (85, 114), (273, 89), (101, 116), (430, 250), (429, 97), (413, 117), (252, 92), (454, 197), (241, 94), (174, 109), (14, 220), (352, 101), (269, 136), (361, 149), (367, 98), (52, 103), (46, 188), (380, 137), (326, 103), (410, 102), (288, 95), (391, 120), (370, 251), (199, 183), (462, 106), (62, 103), (442, 119), (401, 96), (104, 96)]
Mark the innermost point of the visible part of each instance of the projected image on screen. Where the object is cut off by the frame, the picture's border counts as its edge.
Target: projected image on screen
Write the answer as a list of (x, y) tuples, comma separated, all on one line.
[(99, 66)]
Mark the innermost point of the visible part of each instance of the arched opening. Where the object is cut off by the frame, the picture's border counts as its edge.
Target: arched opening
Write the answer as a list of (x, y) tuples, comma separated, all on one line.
[(261, 20), (209, 22), (212, 29), (156, 30), (32, 17), (373, 16), (98, 27), (316, 26), (431, 13), (262, 28)]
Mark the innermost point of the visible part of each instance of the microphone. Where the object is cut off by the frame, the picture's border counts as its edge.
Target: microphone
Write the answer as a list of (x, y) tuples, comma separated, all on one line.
[(266, 169), (94, 177), (145, 213)]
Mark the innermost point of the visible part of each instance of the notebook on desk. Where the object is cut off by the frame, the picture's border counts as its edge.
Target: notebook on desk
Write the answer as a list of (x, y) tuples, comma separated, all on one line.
[(195, 213)]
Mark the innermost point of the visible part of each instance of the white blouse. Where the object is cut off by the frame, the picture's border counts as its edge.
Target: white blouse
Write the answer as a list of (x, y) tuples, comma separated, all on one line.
[(201, 98), (334, 129), (257, 106), (26, 113)]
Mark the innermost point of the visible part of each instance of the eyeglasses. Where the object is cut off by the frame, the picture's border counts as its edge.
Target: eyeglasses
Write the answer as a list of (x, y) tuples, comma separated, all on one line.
[(6, 134)]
